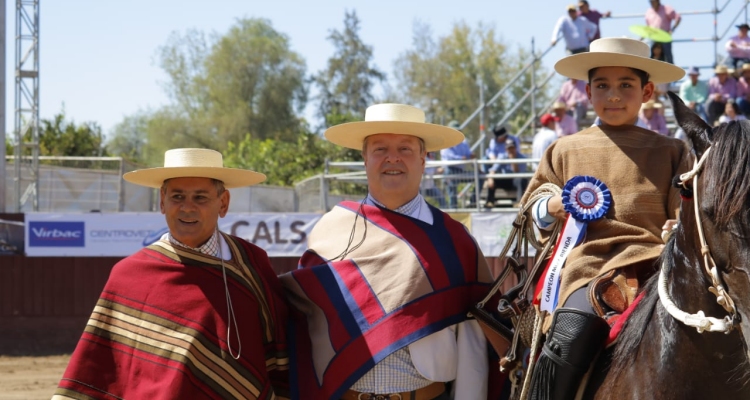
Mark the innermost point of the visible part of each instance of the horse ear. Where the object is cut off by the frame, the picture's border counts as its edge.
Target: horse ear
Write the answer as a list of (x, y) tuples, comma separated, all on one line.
[(696, 129)]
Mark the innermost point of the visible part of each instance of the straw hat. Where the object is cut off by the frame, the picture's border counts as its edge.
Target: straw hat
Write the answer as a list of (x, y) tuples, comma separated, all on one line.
[(398, 119), (721, 69), (651, 104), (194, 163), (618, 52)]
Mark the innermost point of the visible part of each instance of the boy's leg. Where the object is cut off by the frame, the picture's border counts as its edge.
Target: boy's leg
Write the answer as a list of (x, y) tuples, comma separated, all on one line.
[(574, 339)]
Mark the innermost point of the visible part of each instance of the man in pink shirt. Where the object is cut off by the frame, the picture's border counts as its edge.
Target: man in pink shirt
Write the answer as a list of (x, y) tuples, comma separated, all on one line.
[(592, 15), (566, 125), (651, 117), (743, 90), (721, 88), (738, 47), (661, 16), (573, 94)]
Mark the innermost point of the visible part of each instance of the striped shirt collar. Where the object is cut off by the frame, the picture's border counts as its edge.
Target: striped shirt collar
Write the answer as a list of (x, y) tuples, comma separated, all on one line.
[(211, 247), (411, 208)]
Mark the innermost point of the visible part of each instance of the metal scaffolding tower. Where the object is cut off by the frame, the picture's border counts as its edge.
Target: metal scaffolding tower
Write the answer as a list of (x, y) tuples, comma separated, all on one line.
[(27, 101)]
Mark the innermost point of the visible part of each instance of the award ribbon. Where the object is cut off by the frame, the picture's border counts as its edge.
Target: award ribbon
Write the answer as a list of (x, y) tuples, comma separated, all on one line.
[(586, 199)]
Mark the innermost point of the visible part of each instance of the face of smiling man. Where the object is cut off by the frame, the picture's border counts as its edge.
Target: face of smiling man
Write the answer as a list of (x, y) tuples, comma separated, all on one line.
[(192, 207), (394, 166)]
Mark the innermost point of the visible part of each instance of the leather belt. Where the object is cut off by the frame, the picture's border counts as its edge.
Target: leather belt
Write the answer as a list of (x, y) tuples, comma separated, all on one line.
[(428, 392)]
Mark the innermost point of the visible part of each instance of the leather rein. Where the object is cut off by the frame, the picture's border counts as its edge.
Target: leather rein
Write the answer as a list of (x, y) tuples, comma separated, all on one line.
[(699, 320)]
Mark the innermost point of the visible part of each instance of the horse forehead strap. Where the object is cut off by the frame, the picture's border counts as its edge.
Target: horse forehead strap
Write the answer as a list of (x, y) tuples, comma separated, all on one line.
[(697, 166)]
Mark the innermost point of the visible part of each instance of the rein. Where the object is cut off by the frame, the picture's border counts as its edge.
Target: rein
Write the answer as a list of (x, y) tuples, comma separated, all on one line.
[(699, 320)]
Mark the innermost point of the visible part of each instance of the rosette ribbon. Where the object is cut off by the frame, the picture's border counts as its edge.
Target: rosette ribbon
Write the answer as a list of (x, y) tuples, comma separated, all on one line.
[(586, 199)]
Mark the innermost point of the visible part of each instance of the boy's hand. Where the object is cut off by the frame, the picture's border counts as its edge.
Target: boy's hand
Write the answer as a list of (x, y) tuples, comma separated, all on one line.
[(555, 207)]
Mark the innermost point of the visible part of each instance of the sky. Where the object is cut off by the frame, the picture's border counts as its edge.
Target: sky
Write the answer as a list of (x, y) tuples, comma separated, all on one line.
[(98, 58)]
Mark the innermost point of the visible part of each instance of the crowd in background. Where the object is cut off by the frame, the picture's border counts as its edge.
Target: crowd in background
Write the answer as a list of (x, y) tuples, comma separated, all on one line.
[(724, 97)]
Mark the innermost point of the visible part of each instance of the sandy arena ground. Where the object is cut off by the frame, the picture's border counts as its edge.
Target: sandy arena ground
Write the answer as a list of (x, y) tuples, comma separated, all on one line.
[(30, 377)]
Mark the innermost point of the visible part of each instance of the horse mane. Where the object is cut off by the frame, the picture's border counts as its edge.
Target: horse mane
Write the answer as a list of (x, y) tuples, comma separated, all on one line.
[(726, 178)]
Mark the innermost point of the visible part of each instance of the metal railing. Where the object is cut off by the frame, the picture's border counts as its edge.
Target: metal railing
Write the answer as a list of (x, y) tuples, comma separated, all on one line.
[(347, 180)]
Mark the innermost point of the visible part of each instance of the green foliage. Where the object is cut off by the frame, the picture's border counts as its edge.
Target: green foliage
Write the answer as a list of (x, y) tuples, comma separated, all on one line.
[(247, 81), (58, 137), (283, 162), (8, 147), (345, 87), (442, 75)]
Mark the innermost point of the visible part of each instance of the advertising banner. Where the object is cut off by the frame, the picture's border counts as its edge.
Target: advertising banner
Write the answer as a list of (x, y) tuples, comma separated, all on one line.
[(122, 234), (11, 237), (492, 230)]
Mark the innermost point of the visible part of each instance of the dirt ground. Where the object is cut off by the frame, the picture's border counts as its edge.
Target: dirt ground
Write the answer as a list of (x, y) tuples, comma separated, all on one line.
[(30, 377)]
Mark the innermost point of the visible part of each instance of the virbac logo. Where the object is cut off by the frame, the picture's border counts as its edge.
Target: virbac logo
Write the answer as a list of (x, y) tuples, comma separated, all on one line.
[(56, 234)]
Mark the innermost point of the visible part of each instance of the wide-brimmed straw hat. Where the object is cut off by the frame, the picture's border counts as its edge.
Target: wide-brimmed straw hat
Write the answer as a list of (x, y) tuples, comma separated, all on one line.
[(651, 104), (194, 163), (618, 52), (397, 119)]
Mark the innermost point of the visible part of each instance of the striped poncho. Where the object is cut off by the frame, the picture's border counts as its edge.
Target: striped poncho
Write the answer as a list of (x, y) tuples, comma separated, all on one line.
[(159, 329), (402, 280)]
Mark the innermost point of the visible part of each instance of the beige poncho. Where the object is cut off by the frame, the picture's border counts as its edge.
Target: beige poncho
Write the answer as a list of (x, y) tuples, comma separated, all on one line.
[(638, 166)]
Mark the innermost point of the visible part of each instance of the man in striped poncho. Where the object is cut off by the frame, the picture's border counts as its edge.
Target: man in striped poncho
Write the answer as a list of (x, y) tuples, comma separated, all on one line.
[(196, 315), (384, 289)]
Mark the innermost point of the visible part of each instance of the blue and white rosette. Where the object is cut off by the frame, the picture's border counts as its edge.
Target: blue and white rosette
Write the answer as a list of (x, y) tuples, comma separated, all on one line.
[(586, 199)]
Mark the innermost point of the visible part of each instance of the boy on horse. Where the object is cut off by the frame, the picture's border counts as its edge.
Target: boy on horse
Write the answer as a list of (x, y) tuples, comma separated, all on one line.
[(601, 273)]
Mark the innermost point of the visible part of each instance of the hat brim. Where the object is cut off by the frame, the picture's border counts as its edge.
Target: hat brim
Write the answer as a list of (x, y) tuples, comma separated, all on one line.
[(232, 177), (578, 66), (353, 134)]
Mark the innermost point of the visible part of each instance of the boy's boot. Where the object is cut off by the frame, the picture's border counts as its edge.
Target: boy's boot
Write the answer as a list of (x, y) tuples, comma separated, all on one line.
[(572, 343)]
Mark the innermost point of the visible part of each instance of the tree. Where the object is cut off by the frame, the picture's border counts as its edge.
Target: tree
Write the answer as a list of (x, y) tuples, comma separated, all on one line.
[(59, 137), (345, 87), (442, 76), (129, 138), (247, 81)]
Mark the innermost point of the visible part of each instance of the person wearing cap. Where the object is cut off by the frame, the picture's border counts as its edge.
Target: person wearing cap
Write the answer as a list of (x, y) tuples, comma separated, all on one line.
[(721, 88), (661, 16), (566, 124), (544, 137), (652, 118), (637, 166), (573, 94), (385, 285), (577, 31), (592, 15), (743, 90), (197, 314), (459, 152), (493, 183), (694, 92), (738, 47)]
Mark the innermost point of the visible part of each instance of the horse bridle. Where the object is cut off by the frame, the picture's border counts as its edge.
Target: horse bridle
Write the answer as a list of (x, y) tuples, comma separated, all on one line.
[(699, 320)]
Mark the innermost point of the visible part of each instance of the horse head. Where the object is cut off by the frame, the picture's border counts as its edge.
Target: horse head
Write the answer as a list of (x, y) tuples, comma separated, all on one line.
[(723, 185)]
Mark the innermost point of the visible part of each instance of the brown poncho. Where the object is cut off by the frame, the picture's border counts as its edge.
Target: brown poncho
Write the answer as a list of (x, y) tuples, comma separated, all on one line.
[(638, 166)]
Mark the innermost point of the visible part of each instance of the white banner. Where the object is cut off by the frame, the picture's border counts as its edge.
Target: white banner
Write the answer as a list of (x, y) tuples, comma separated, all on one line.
[(492, 230), (122, 234)]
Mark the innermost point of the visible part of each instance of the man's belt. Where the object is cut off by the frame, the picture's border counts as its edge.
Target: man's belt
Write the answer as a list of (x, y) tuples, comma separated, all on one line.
[(428, 392)]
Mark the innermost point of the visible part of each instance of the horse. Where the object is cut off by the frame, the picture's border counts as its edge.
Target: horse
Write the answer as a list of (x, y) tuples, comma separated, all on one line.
[(662, 352)]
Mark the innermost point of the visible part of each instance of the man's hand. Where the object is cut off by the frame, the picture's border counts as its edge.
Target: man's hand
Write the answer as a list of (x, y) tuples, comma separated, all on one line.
[(490, 183)]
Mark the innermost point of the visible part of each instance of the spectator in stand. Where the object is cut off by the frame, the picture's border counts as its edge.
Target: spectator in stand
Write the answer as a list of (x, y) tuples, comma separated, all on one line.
[(657, 53), (731, 113), (566, 125), (459, 152), (650, 116), (577, 31), (492, 184), (738, 48), (592, 15), (544, 137), (573, 94), (661, 16), (694, 92), (429, 189), (743, 90), (721, 88), (501, 132)]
